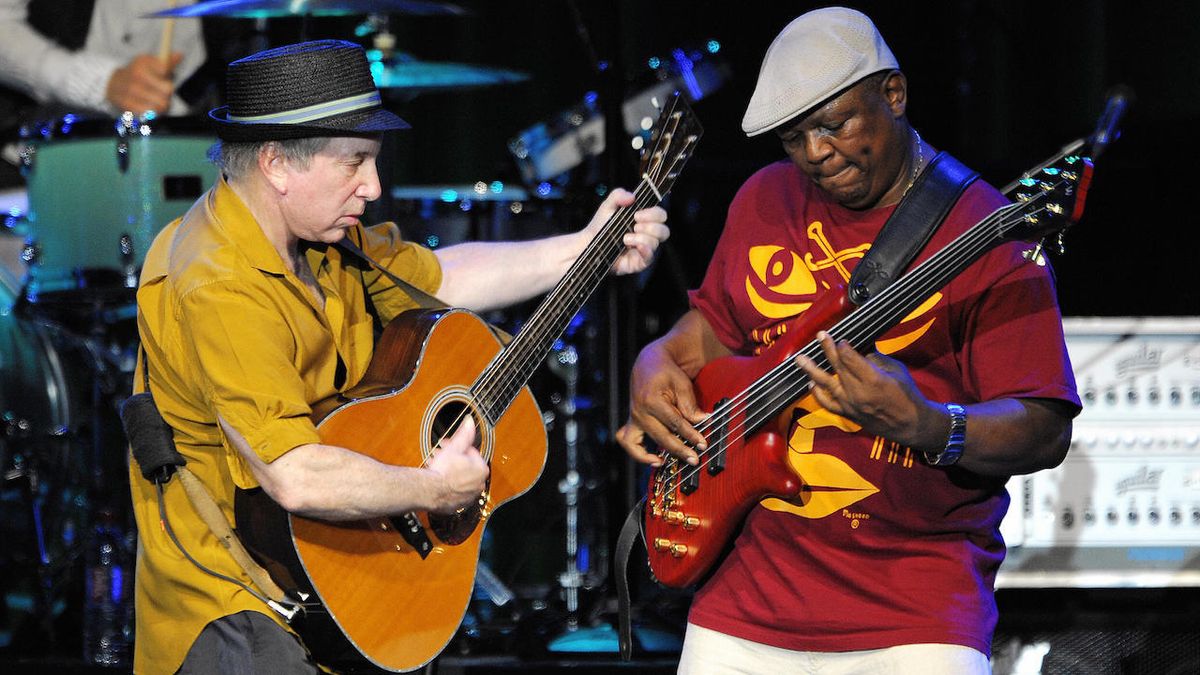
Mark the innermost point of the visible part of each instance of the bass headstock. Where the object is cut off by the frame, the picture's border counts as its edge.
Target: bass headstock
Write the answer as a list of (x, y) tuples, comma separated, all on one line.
[(1049, 200), (672, 142)]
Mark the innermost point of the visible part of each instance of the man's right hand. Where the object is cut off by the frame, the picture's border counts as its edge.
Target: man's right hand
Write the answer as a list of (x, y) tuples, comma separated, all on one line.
[(662, 405), (143, 84), (462, 469)]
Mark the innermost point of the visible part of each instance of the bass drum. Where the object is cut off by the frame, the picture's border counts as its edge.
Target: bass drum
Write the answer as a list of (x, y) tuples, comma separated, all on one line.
[(44, 497)]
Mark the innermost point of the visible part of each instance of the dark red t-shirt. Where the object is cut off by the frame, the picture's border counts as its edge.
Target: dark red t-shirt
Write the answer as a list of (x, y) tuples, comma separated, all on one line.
[(888, 550)]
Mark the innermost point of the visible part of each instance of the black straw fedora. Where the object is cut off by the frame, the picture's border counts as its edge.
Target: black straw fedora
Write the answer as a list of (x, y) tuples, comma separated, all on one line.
[(318, 88)]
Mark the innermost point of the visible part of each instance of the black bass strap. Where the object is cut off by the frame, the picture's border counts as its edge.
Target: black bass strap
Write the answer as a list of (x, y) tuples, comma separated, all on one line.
[(908, 229)]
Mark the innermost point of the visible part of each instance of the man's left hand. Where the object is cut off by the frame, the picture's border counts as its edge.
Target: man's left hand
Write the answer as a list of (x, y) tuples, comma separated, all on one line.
[(649, 230)]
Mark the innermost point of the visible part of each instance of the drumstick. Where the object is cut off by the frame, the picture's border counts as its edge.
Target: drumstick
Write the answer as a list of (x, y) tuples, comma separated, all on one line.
[(164, 48)]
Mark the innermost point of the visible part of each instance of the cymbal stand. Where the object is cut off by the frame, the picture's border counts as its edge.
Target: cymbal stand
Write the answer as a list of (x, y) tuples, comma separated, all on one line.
[(564, 362)]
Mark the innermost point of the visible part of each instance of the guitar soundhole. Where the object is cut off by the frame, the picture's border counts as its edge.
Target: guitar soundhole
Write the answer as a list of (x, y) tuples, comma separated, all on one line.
[(457, 527), (446, 421)]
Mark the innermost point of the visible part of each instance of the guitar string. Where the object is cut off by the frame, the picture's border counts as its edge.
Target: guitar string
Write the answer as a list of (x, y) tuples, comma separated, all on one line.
[(529, 343), (529, 348), (975, 241), (793, 379), (495, 380), (609, 237), (787, 371), (794, 382)]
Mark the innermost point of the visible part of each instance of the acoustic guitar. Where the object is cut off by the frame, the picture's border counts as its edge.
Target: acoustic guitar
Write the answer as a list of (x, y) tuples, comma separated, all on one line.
[(692, 512), (391, 592)]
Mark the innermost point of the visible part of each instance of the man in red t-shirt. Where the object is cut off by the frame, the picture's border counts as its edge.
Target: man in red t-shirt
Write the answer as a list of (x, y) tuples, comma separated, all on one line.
[(888, 564)]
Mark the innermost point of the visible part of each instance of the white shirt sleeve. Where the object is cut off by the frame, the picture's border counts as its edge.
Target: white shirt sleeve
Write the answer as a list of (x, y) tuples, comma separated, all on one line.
[(47, 72)]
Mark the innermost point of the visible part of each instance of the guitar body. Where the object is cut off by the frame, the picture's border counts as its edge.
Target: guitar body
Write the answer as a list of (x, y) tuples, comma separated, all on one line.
[(688, 528), (396, 607)]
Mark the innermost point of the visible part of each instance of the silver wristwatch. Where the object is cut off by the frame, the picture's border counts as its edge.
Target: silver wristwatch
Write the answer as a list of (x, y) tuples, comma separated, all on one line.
[(950, 454)]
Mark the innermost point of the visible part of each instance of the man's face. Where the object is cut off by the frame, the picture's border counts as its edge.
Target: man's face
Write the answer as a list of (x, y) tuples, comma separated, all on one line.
[(327, 198), (854, 146)]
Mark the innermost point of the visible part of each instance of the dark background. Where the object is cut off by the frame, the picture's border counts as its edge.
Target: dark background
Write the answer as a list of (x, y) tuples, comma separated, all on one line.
[(1002, 85)]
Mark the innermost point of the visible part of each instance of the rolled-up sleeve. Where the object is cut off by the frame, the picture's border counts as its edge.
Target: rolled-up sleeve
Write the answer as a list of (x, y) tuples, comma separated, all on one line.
[(244, 354)]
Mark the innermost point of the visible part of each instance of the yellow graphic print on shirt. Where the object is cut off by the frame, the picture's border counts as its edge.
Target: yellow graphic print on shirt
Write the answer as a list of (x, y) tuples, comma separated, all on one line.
[(783, 285)]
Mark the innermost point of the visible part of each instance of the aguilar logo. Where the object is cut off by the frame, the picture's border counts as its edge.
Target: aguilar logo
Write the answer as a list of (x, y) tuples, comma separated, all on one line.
[(1145, 360), (1144, 479)]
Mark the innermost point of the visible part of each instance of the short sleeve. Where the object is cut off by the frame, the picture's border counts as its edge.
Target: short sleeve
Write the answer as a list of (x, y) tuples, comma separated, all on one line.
[(244, 354)]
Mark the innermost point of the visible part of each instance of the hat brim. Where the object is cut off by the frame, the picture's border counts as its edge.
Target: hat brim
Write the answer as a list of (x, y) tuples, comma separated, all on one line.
[(367, 122)]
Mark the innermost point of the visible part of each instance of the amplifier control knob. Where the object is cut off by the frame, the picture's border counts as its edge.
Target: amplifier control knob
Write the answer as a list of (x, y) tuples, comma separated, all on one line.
[(1068, 519), (1153, 516), (1176, 517)]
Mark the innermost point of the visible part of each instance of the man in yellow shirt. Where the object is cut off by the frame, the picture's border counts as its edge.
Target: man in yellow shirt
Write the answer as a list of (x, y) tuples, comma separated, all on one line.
[(249, 315)]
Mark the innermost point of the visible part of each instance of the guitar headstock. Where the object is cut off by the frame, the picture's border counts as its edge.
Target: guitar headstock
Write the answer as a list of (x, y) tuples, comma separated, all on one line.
[(1050, 199), (672, 142)]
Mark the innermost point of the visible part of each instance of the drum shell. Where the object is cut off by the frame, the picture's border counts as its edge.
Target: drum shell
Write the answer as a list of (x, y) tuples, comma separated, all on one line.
[(44, 403), (100, 191)]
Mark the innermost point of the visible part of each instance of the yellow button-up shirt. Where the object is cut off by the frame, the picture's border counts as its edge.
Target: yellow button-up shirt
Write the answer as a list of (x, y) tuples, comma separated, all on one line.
[(228, 330)]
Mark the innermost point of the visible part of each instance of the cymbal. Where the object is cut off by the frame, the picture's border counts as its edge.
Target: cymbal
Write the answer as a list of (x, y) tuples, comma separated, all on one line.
[(269, 9), (439, 75)]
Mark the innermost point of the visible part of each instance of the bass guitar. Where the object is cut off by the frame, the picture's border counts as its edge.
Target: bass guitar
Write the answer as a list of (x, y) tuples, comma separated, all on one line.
[(391, 592), (692, 512)]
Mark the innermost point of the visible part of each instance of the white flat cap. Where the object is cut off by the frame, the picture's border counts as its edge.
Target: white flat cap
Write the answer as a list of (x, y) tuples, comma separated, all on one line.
[(817, 55)]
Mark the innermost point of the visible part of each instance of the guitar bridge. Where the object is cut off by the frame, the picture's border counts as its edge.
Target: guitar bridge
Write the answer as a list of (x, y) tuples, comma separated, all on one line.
[(413, 532)]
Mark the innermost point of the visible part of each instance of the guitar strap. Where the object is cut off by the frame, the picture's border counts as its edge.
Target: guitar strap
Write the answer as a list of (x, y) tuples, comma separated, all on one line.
[(424, 300), (629, 534), (907, 230), (153, 447)]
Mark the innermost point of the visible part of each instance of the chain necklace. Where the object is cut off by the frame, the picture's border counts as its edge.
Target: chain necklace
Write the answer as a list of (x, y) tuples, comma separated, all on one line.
[(917, 165)]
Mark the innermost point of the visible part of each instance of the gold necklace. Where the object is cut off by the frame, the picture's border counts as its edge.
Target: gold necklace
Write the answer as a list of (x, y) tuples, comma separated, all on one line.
[(916, 166)]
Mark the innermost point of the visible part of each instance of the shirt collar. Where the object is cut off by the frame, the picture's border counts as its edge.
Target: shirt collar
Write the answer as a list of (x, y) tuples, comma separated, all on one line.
[(233, 216)]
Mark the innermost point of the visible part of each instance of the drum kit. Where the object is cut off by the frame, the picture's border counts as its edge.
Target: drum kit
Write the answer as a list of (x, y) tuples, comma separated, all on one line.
[(97, 191)]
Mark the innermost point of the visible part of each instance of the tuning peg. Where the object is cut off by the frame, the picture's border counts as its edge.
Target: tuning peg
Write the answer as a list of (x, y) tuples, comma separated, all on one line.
[(1060, 246), (1035, 254)]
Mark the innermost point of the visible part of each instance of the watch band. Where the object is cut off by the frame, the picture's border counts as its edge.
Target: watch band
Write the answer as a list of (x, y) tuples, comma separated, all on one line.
[(957, 440)]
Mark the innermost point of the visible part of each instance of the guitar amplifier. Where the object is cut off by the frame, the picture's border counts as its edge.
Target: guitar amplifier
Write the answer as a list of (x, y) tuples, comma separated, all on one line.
[(1123, 509)]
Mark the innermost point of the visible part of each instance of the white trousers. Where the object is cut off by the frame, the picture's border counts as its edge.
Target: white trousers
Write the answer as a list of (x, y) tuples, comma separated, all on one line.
[(707, 652)]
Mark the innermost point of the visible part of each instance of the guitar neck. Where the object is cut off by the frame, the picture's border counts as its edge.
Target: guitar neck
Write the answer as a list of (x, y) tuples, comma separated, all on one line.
[(507, 375), (772, 393), (671, 144)]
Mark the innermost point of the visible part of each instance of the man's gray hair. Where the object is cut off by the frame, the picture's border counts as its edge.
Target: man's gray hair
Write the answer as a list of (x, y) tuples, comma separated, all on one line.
[(237, 159)]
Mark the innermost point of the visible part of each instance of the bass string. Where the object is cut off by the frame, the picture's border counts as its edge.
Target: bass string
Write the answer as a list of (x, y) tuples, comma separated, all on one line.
[(973, 243)]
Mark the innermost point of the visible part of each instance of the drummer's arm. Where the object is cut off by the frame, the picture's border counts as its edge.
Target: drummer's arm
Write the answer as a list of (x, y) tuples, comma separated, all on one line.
[(47, 72)]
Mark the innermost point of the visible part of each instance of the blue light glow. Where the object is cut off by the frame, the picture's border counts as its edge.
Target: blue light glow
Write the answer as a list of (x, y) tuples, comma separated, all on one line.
[(713, 46), (449, 196), (543, 189), (496, 187), (654, 62)]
